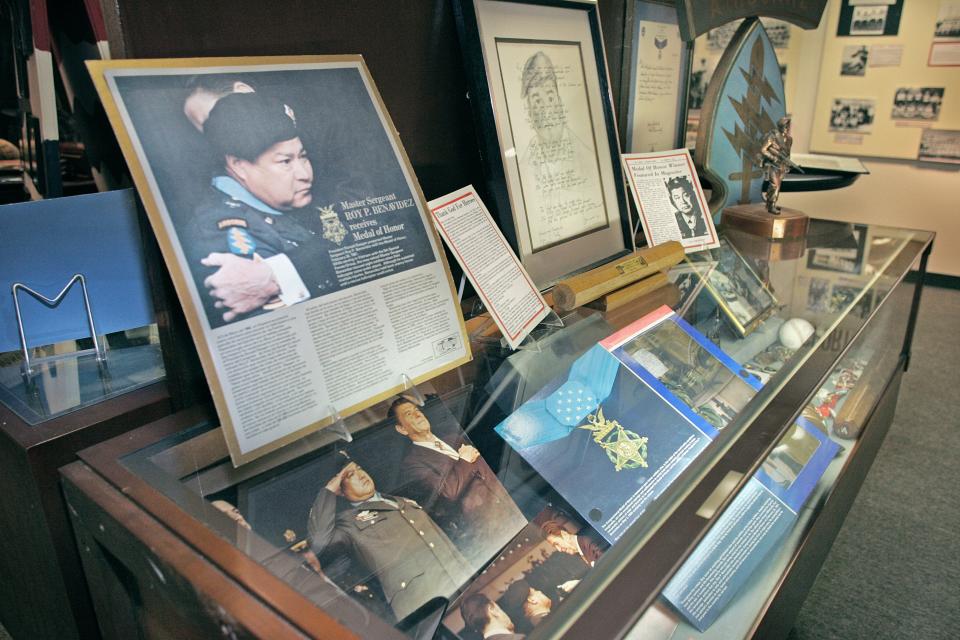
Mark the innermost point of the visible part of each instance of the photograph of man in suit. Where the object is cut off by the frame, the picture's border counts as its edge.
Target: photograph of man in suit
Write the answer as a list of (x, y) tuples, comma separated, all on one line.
[(525, 604), (485, 619), (394, 538), (449, 478), (684, 200), (585, 544)]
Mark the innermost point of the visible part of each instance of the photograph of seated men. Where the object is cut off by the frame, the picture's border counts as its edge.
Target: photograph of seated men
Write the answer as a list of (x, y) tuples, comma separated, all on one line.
[(525, 584), (442, 470), (686, 209)]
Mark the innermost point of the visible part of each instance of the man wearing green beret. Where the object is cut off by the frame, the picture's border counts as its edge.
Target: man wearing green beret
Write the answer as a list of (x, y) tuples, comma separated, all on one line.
[(261, 257)]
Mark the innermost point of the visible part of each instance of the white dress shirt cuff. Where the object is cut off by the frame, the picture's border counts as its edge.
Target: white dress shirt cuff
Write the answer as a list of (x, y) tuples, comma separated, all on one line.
[(292, 289)]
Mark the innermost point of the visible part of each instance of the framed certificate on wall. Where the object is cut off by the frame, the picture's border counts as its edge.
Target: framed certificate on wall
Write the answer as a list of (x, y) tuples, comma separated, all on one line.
[(656, 75), (541, 101)]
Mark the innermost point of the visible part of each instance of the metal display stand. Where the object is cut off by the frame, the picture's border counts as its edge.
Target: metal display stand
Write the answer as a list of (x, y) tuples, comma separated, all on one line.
[(28, 363)]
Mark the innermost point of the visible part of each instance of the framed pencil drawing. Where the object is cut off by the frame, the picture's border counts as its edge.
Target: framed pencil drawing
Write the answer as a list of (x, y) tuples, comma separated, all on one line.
[(541, 102)]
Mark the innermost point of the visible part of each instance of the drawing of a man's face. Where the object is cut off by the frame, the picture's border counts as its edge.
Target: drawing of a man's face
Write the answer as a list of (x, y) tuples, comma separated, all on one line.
[(542, 99), (544, 106), (681, 199)]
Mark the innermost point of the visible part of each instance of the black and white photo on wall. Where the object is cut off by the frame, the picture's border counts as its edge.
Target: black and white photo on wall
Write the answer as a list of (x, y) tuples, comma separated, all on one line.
[(869, 17)]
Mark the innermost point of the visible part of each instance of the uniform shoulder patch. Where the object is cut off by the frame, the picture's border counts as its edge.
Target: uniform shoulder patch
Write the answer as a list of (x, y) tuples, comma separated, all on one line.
[(240, 242), (231, 222)]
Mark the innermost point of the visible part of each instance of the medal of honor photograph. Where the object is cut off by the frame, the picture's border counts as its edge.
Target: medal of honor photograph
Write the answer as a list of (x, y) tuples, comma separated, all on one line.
[(479, 320)]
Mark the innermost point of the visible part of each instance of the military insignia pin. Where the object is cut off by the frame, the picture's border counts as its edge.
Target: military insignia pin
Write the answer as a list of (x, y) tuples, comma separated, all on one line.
[(365, 516), (333, 229), (626, 449)]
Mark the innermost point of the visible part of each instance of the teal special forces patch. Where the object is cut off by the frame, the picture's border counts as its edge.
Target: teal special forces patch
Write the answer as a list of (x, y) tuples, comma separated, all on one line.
[(240, 242)]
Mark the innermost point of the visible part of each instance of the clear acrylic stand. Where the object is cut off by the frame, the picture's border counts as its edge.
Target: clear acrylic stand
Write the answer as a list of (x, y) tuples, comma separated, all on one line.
[(338, 426), (530, 343), (411, 391)]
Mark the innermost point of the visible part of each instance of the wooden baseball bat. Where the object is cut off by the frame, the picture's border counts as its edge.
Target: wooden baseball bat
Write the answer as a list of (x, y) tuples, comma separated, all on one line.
[(586, 287)]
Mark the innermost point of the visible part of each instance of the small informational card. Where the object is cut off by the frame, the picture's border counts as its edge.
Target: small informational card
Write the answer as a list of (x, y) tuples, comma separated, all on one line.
[(885, 55), (752, 526), (489, 263), (944, 54), (668, 196)]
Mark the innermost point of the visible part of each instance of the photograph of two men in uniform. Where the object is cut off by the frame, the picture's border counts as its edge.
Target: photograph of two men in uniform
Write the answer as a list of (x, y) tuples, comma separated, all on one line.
[(280, 186), (405, 513)]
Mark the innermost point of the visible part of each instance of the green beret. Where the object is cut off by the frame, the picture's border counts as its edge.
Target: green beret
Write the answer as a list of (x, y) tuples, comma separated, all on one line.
[(247, 124)]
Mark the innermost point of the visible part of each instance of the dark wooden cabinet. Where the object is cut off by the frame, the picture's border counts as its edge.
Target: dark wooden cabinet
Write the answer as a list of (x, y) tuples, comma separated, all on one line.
[(43, 592)]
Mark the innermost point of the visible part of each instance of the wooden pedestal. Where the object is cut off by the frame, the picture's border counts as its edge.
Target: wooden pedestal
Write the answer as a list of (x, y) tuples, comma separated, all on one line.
[(756, 220)]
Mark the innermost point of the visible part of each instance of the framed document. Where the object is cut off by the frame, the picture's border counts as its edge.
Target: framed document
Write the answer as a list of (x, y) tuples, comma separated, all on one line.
[(541, 100), (739, 292), (656, 72), (295, 233)]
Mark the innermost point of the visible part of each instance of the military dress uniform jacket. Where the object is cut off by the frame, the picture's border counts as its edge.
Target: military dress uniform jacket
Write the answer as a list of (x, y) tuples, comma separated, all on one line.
[(226, 224), (410, 555), (699, 228), (465, 498)]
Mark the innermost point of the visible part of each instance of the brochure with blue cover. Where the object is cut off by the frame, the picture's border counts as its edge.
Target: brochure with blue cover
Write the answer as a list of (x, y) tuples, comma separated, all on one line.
[(619, 427), (752, 526)]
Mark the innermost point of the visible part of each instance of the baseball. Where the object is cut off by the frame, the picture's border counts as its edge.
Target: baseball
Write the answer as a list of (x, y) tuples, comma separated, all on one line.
[(794, 332)]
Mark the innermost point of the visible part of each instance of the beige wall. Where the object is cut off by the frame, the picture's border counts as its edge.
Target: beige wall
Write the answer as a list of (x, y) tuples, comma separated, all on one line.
[(899, 193), (902, 194)]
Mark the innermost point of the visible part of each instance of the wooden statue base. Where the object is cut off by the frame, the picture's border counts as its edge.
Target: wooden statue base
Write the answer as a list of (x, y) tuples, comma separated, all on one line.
[(756, 220), (766, 249)]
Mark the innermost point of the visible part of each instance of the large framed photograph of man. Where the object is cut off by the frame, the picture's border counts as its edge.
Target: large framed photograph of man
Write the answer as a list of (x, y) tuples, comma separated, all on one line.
[(541, 100), (294, 231)]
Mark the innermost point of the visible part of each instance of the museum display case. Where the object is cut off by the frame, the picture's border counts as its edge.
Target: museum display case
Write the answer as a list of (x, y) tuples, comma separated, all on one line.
[(586, 526), (69, 401)]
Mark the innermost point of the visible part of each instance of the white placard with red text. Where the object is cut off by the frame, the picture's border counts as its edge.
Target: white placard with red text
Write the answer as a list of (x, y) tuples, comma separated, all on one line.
[(489, 263)]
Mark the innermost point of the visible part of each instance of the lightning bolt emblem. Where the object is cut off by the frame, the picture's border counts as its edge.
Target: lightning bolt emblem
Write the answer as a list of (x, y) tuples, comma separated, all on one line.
[(755, 121)]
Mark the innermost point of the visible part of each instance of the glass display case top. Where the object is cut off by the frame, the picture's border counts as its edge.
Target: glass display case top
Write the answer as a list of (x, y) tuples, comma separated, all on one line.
[(64, 381), (509, 495)]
